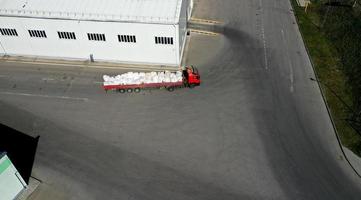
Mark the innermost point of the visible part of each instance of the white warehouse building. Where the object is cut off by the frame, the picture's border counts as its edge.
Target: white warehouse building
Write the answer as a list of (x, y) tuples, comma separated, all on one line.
[(129, 31)]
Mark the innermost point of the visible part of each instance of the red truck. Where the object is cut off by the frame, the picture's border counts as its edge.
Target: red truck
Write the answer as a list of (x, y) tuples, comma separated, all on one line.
[(191, 79)]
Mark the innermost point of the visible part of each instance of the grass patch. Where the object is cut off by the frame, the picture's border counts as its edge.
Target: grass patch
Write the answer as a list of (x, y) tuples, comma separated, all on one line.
[(328, 68)]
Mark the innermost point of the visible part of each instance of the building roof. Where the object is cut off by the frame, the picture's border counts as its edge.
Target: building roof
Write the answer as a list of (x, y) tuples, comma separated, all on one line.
[(141, 11)]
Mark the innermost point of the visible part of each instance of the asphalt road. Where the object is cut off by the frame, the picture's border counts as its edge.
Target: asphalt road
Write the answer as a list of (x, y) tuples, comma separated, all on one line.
[(256, 129)]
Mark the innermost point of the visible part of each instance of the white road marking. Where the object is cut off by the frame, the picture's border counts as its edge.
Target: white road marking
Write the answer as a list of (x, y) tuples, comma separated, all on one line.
[(44, 96), (264, 47), (292, 89), (263, 36), (48, 79)]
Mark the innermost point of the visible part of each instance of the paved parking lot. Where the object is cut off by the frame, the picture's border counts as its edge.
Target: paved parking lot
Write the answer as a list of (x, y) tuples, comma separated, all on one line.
[(257, 128)]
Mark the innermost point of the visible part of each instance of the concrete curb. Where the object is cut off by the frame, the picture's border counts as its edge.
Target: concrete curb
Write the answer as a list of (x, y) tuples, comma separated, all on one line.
[(33, 185), (84, 63), (354, 159), (204, 32), (204, 21), (324, 98)]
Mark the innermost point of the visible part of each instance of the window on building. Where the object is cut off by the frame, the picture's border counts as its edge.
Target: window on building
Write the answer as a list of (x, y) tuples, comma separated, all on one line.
[(127, 38), (164, 40), (67, 35), (37, 33), (96, 37), (8, 32)]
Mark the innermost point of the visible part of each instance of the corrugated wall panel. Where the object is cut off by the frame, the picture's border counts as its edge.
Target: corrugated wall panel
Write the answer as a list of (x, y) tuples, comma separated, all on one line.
[(143, 51)]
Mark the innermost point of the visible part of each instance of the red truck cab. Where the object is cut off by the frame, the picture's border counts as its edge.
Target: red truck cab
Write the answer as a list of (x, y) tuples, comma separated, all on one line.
[(192, 77)]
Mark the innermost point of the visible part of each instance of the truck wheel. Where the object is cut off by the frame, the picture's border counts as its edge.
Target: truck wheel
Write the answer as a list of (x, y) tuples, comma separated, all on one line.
[(192, 86), (170, 89), (121, 91), (130, 90), (137, 90)]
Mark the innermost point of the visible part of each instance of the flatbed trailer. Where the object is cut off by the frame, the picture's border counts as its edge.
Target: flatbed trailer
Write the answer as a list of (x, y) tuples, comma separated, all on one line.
[(138, 87), (191, 78)]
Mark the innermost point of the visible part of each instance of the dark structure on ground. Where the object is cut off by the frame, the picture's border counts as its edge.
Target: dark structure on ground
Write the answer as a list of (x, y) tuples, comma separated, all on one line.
[(20, 148)]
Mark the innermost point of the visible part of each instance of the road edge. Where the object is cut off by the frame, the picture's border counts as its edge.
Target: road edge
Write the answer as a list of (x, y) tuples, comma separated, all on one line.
[(323, 95)]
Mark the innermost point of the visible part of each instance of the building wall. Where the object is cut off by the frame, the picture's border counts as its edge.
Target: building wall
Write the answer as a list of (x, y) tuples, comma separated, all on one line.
[(2, 50), (190, 9), (143, 51), (182, 28)]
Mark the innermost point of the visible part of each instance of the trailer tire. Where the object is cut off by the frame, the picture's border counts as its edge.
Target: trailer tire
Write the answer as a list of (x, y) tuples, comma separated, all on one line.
[(121, 91), (170, 89), (137, 90), (192, 86), (129, 90)]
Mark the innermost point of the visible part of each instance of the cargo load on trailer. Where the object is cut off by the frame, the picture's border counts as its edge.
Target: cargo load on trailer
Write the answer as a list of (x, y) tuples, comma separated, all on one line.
[(136, 81), (138, 78)]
